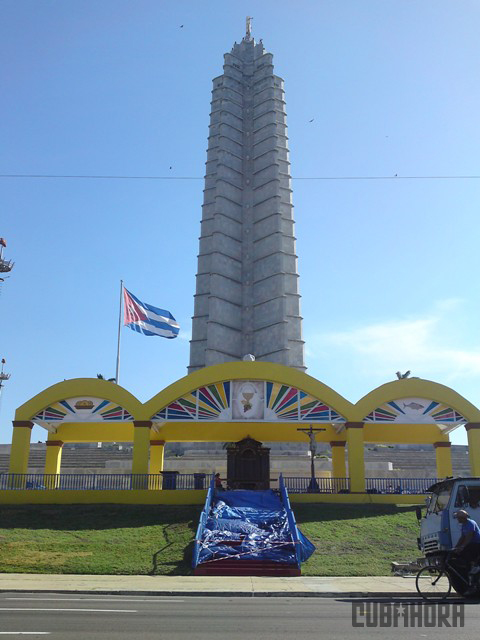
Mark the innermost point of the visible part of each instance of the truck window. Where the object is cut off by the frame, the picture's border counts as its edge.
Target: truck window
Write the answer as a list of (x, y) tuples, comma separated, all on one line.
[(439, 501), (462, 496), (468, 496), (474, 497)]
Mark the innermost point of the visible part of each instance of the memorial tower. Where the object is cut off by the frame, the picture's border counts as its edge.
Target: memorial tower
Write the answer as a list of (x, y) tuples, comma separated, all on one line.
[(247, 298)]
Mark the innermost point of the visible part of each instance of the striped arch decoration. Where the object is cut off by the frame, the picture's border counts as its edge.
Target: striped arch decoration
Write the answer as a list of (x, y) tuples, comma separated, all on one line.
[(291, 404), (82, 410), (281, 401), (211, 402), (182, 409), (214, 401), (226, 401), (416, 411)]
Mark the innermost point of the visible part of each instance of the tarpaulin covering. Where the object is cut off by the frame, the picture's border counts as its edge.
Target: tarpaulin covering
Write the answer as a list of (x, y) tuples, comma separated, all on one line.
[(250, 525)]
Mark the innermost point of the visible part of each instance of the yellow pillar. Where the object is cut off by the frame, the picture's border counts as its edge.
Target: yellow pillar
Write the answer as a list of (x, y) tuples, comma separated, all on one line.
[(473, 434), (356, 462), (141, 452), (53, 462), (339, 468), (443, 455), (20, 451), (157, 448)]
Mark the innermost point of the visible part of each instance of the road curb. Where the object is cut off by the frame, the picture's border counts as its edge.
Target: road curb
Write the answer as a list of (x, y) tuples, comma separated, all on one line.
[(224, 594)]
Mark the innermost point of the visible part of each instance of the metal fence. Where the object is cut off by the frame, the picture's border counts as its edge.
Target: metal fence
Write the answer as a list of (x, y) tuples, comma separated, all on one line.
[(181, 481), (399, 486), (103, 481), (319, 485)]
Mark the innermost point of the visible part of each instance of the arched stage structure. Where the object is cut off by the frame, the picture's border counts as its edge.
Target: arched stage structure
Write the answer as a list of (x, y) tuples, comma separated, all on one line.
[(229, 402)]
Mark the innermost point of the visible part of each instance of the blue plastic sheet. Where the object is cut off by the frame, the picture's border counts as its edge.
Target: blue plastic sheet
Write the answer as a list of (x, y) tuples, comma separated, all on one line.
[(306, 547), (250, 525)]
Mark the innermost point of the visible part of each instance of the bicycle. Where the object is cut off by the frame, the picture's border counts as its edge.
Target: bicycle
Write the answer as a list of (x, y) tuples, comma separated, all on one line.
[(435, 581)]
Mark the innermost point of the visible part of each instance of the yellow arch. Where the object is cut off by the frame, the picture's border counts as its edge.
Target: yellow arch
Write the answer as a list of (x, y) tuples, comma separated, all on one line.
[(79, 387), (415, 387), (248, 371)]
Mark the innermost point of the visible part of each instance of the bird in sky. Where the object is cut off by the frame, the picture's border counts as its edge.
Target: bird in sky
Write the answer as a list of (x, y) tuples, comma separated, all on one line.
[(312, 120), (181, 26), (402, 376), (170, 167)]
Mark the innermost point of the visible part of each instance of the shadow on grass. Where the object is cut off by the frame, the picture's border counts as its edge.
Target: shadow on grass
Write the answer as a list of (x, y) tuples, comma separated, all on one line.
[(161, 565), (94, 517)]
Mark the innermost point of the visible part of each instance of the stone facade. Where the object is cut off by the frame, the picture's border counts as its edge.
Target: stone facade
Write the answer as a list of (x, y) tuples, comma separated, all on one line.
[(247, 299)]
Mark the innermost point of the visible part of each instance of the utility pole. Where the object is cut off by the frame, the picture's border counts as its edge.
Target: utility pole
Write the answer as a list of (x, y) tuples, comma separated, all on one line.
[(3, 378), (313, 486)]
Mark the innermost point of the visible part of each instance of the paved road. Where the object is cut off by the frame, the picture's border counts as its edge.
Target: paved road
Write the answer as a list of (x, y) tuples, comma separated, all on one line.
[(85, 617)]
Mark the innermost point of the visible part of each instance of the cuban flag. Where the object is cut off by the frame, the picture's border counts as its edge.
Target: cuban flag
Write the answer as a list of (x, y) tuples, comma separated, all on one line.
[(146, 319)]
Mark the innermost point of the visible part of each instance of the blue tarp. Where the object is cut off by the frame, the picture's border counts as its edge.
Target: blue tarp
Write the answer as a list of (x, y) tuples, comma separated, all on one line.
[(252, 525)]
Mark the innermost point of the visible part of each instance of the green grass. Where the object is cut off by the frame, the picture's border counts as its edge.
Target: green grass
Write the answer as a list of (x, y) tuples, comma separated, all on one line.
[(351, 540), (97, 539), (357, 540)]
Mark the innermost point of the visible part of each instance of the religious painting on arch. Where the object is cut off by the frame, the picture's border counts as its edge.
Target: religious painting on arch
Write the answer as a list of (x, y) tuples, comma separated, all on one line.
[(248, 400)]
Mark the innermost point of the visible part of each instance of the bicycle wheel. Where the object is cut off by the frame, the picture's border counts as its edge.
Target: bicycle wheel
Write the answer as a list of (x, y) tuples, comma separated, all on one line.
[(433, 583)]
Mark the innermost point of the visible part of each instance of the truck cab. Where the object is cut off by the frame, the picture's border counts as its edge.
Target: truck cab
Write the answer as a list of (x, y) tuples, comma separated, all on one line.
[(439, 529)]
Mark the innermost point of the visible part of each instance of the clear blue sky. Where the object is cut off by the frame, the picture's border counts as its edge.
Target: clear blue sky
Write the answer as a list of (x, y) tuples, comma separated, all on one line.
[(388, 268)]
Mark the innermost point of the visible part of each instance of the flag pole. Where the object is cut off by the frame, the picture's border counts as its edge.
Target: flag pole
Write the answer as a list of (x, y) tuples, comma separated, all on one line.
[(117, 372)]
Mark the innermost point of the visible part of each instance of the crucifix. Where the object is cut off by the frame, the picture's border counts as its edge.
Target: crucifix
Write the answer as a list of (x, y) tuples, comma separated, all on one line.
[(313, 487)]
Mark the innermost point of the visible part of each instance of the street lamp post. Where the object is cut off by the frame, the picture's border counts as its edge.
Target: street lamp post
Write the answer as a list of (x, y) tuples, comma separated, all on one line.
[(313, 486), (5, 265)]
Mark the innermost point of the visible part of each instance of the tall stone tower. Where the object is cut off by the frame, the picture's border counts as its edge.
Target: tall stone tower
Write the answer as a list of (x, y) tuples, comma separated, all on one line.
[(247, 299)]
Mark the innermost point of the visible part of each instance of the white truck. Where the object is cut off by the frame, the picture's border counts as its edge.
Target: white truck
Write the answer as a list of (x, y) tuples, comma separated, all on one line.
[(439, 529)]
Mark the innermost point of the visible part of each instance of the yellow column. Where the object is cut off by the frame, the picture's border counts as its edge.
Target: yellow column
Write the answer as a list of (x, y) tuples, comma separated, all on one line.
[(157, 448), (339, 468), (53, 462), (473, 434), (443, 455), (20, 451), (141, 452), (356, 462)]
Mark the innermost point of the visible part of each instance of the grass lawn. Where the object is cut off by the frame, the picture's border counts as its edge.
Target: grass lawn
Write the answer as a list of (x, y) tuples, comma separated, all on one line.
[(351, 540), (97, 539), (357, 540)]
